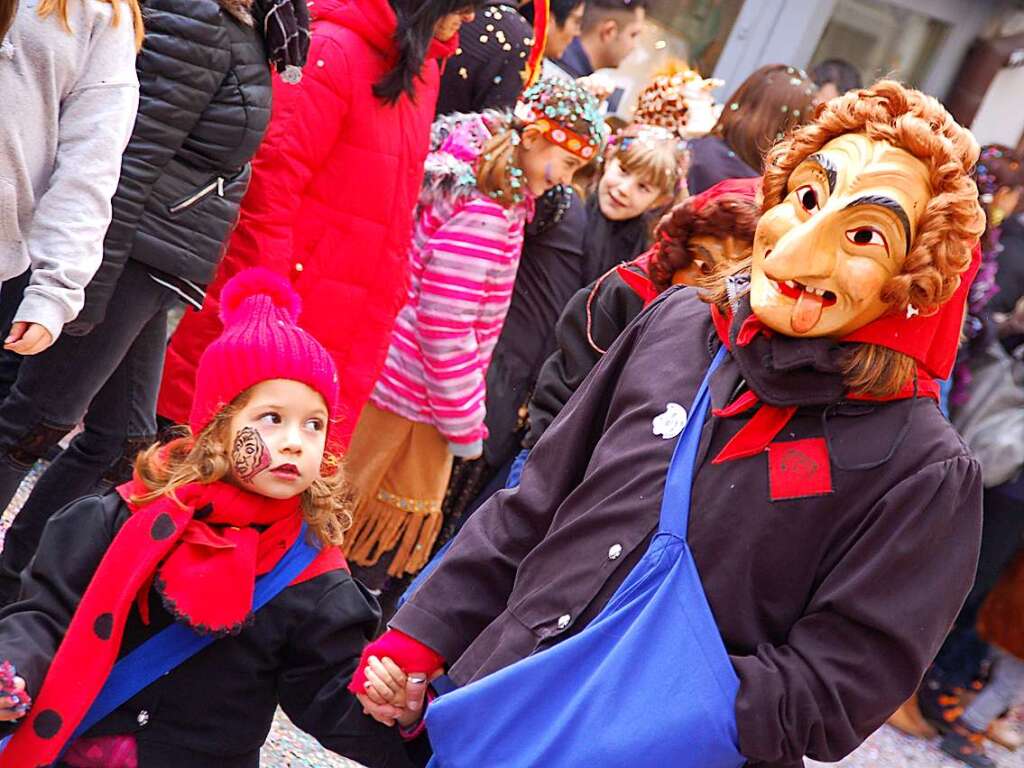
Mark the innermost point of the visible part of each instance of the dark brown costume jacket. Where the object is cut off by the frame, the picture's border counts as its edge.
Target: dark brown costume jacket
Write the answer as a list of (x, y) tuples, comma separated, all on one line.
[(829, 605)]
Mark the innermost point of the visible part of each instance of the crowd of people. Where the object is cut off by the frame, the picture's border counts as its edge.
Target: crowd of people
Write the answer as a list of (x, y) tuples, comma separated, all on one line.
[(490, 418)]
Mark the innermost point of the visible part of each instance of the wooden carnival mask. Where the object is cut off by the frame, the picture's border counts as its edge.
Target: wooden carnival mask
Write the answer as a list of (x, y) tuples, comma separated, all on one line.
[(824, 254)]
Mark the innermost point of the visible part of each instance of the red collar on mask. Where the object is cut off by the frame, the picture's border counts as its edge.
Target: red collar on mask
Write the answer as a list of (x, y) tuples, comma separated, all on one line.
[(932, 341)]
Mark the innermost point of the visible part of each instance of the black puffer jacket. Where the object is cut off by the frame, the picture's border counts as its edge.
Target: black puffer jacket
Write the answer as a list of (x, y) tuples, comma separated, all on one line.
[(204, 104)]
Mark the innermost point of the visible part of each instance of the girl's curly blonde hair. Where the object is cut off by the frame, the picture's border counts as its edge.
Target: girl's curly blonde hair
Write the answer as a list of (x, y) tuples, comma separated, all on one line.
[(948, 228), (206, 458)]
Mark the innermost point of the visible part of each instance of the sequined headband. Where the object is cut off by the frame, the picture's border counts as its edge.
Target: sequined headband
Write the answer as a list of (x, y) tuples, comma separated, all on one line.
[(550, 104), (566, 138)]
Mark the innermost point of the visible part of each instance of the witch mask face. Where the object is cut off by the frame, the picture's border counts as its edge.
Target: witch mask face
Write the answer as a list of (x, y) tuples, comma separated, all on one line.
[(824, 254)]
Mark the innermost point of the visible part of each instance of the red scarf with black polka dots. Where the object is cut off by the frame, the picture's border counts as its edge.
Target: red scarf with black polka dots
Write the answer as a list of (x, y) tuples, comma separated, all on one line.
[(201, 552)]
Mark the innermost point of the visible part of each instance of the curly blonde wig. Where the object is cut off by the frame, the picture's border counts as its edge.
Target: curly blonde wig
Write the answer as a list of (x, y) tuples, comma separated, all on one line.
[(206, 458)]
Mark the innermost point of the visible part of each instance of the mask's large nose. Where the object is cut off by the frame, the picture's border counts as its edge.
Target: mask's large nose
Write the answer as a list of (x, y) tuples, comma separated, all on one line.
[(805, 254)]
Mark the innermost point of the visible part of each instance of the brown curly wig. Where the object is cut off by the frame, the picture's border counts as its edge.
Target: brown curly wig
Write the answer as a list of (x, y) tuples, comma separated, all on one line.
[(729, 214), (948, 228)]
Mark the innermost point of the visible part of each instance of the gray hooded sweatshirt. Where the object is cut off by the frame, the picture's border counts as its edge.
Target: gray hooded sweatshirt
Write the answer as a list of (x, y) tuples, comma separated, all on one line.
[(67, 107)]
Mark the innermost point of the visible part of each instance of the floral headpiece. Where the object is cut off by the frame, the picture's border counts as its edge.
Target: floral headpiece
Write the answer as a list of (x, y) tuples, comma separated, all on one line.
[(671, 101), (552, 105)]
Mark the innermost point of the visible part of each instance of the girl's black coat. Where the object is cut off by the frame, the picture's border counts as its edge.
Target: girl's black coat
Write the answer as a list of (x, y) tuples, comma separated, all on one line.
[(204, 105), (215, 710)]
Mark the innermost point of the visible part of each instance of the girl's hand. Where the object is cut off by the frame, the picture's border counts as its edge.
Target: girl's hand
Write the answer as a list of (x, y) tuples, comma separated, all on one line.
[(13, 706), (391, 695)]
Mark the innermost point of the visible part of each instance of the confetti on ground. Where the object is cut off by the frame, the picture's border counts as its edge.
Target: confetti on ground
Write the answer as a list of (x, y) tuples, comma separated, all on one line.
[(288, 747)]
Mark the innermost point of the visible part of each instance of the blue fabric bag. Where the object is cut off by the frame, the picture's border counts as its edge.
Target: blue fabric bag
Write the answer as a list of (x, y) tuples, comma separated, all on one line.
[(647, 683)]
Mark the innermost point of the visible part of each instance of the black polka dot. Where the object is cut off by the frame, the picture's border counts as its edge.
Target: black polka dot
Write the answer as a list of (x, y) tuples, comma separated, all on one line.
[(204, 511), (163, 527), (103, 626), (47, 724)]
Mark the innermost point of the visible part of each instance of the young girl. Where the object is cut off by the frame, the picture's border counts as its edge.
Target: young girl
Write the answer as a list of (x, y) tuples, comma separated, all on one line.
[(176, 564), (644, 173), (428, 405)]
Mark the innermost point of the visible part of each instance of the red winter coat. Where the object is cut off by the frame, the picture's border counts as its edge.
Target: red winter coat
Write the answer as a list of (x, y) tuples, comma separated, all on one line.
[(330, 204)]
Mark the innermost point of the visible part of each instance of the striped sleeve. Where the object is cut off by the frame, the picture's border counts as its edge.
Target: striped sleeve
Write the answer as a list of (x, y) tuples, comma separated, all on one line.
[(463, 264)]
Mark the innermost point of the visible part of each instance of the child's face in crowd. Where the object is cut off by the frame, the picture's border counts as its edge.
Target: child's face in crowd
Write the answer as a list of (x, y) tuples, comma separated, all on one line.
[(546, 165), (560, 35), (278, 439), (448, 25), (623, 195)]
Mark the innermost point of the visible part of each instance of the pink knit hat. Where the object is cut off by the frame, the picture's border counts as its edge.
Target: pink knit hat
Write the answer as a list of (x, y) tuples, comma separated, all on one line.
[(260, 341)]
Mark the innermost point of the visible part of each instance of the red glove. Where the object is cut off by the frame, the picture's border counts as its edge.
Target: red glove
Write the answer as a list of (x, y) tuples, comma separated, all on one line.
[(408, 653)]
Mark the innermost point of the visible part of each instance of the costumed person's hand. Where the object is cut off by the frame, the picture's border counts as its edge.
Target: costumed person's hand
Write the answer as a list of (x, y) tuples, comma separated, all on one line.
[(27, 338), (391, 695), (410, 657), (14, 699)]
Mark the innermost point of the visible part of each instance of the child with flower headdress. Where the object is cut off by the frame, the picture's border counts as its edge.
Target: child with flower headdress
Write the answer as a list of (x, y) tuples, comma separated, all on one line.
[(644, 172), (428, 405), (161, 625)]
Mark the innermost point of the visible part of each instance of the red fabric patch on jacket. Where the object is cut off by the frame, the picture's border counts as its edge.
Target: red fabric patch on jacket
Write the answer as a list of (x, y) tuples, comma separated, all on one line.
[(798, 469)]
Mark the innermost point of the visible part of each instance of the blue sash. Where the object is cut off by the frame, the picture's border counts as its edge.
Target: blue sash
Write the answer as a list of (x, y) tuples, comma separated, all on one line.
[(647, 683)]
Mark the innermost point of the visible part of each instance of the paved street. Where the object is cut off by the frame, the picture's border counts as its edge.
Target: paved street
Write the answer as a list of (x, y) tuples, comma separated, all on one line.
[(287, 747)]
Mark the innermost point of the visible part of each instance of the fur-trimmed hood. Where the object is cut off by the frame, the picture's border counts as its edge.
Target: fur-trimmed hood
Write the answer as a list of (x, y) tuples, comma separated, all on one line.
[(456, 142)]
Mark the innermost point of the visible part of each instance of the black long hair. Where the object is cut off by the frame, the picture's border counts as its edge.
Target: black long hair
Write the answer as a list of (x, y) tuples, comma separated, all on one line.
[(416, 21), (560, 9)]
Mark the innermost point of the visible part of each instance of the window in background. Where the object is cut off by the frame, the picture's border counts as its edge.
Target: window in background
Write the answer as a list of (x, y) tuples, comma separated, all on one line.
[(694, 31), (882, 39), (700, 26)]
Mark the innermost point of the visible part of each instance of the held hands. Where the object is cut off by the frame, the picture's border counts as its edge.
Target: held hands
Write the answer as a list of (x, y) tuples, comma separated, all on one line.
[(14, 705), (14, 699), (392, 696), (28, 338)]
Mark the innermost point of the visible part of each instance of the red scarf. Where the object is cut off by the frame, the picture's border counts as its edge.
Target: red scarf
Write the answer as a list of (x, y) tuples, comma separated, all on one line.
[(755, 436), (203, 554)]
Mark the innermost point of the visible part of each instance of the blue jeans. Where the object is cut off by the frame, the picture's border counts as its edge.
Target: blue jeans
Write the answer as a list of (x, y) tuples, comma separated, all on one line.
[(108, 377)]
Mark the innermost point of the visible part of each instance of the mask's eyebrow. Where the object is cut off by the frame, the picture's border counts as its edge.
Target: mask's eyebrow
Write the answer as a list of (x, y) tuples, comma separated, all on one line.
[(828, 167), (889, 204)]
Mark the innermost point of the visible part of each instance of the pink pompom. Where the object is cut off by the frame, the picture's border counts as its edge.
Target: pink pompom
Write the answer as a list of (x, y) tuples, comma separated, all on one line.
[(258, 282)]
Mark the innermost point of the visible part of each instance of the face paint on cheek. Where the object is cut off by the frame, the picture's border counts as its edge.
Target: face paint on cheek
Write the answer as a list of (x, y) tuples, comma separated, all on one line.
[(249, 454), (547, 173)]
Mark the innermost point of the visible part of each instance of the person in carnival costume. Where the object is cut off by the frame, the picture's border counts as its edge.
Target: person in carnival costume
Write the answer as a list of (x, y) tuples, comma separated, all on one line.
[(708, 233), (162, 624), (741, 585), (428, 405)]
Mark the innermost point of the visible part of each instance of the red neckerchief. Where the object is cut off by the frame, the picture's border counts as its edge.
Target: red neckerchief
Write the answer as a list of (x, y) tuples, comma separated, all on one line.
[(204, 552), (755, 436)]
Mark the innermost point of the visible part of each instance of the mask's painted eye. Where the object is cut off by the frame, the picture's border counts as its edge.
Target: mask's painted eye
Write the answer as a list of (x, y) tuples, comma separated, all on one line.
[(866, 236), (808, 198)]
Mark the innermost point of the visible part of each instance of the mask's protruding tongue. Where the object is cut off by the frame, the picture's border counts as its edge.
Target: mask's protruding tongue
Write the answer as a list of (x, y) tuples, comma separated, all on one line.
[(806, 312)]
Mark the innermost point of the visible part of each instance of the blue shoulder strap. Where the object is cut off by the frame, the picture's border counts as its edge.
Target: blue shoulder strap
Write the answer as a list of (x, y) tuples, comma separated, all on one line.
[(177, 643)]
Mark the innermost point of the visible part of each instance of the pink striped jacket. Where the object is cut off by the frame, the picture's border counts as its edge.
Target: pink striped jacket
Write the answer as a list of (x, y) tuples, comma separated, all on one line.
[(463, 261)]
